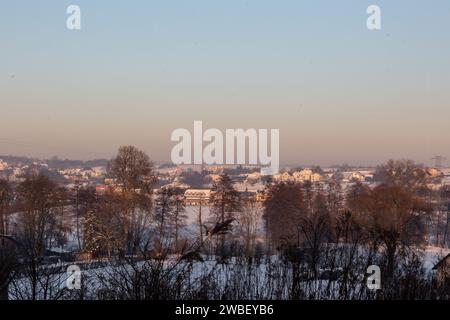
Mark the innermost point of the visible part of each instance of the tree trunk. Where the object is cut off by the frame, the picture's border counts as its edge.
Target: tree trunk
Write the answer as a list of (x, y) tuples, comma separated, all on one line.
[(200, 223)]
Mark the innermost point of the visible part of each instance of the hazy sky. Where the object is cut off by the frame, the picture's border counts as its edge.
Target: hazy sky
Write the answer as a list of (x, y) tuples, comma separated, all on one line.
[(140, 69)]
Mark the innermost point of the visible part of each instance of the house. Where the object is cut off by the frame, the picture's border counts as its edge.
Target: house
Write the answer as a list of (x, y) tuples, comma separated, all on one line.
[(260, 196), (306, 175), (434, 172), (283, 177), (353, 176), (3, 165), (195, 197), (253, 177), (443, 270)]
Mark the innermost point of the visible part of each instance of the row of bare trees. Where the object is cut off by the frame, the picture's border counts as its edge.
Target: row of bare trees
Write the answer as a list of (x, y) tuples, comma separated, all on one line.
[(328, 229), (306, 240)]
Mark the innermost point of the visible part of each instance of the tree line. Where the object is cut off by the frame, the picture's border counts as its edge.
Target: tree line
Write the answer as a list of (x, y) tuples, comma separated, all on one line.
[(323, 238)]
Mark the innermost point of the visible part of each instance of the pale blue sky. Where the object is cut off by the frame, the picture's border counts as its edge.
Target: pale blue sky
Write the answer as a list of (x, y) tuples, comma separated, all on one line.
[(140, 69)]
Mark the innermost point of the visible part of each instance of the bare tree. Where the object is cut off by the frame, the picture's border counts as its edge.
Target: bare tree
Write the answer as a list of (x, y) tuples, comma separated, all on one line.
[(39, 200), (179, 214), (249, 219), (132, 171), (6, 196), (315, 229), (8, 259), (164, 208), (284, 206), (86, 204), (224, 200), (9, 264), (402, 172), (106, 233), (393, 217), (225, 203)]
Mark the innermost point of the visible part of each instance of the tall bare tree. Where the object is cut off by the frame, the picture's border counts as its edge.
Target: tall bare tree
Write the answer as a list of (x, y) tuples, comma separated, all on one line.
[(402, 172), (6, 196), (132, 169), (179, 214), (8, 249), (133, 174), (164, 208), (39, 202), (393, 216), (224, 199), (225, 203), (284, 206), (249, 219)]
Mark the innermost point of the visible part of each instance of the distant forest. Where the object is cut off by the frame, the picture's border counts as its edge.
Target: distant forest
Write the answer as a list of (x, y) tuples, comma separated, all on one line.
[(55, 162)]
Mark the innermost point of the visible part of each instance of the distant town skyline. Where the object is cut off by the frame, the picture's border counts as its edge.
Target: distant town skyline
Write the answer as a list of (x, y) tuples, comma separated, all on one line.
[(338, 92), (429, 163)]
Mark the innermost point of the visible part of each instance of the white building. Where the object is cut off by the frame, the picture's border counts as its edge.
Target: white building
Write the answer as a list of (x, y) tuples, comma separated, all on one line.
[(195, 197), (353, 176), (3, 165), (306, 175)]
